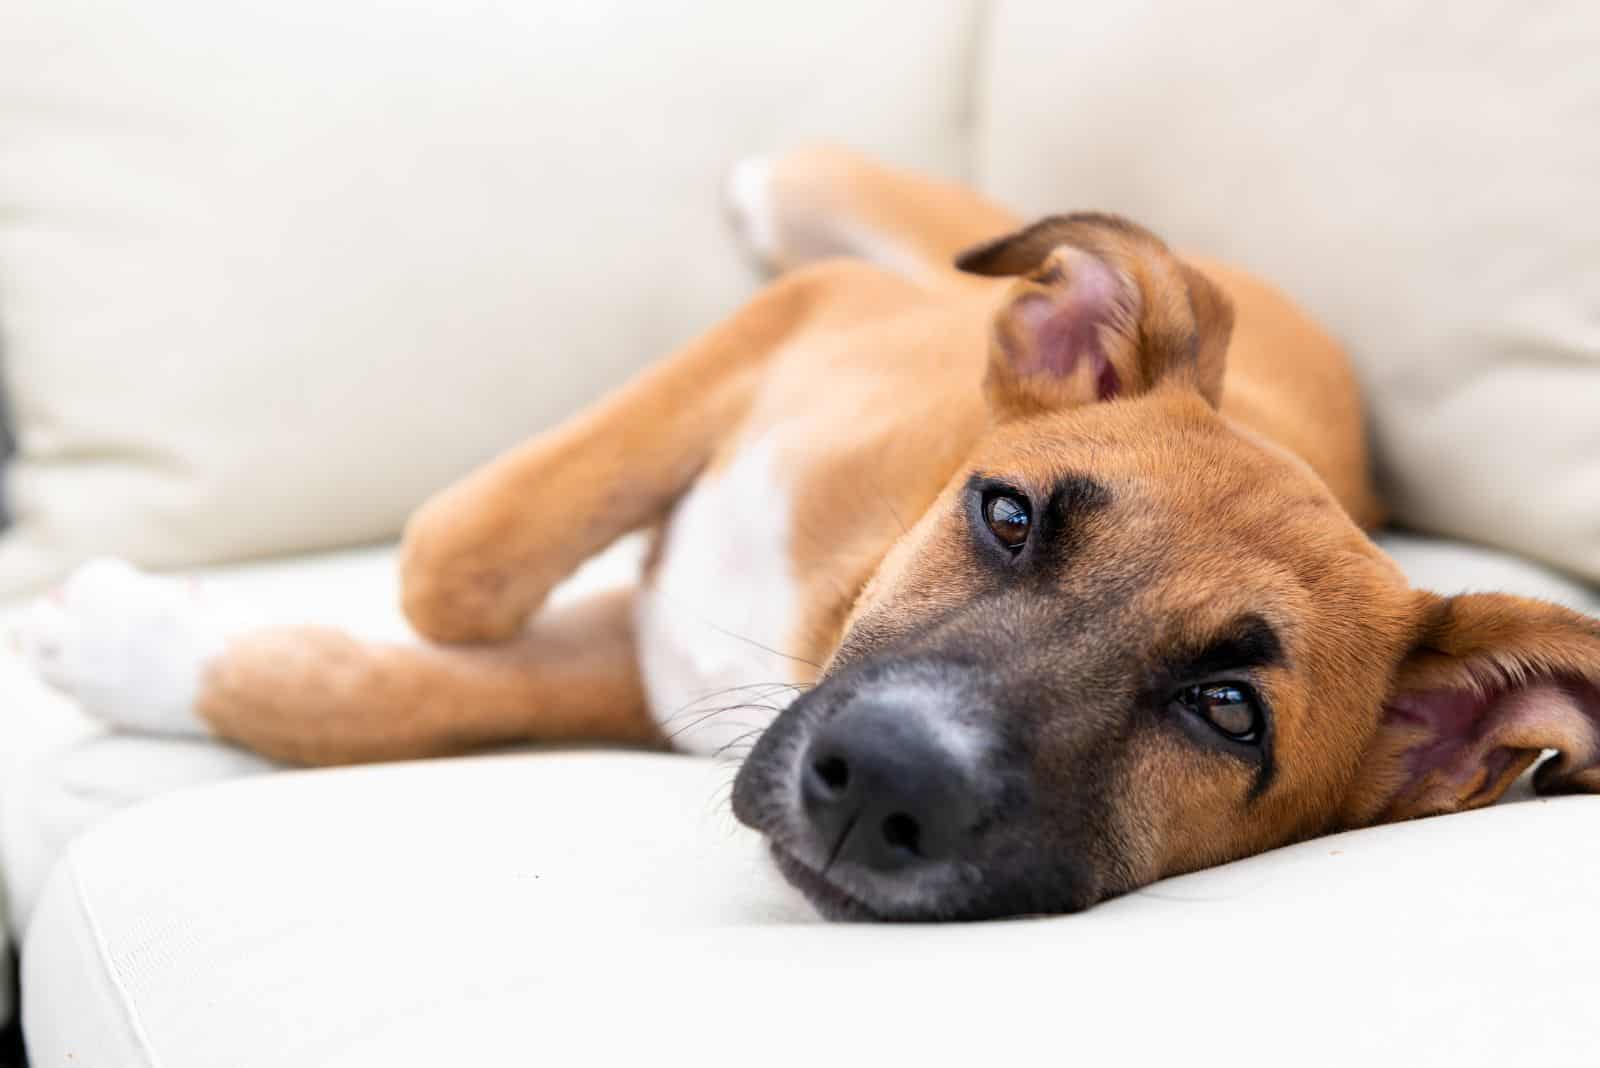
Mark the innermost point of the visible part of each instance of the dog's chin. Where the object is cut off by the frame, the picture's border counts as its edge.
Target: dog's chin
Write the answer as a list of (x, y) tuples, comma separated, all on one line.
[(832, 901), (836, 899)]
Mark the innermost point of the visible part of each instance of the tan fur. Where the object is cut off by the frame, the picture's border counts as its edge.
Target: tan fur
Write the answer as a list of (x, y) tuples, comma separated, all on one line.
[(312, 695), (874, 388)]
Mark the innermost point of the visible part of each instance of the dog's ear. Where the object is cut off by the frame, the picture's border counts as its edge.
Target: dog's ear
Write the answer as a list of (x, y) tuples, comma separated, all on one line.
[(1492, 682), (1101, 309)]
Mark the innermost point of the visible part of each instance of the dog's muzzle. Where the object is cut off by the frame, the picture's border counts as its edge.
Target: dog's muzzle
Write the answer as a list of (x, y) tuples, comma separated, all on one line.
[(874, 794)]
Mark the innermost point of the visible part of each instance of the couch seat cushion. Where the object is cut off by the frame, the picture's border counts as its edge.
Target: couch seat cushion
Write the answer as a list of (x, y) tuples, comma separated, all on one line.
[(602, 908)]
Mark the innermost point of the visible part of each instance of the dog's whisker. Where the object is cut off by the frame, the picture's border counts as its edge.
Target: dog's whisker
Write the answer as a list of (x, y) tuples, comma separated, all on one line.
[(715, 712), (744, 742), (764, 648), (706, 715), (694, 705), (888, 505), (700, 619)]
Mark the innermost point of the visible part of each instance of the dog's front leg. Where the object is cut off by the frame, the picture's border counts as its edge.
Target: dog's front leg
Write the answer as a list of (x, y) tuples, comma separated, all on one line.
[(481, 556)]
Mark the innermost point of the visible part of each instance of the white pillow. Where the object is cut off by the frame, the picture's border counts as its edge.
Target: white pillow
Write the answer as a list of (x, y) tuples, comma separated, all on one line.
[(1424, 177), (270, 273), (601, 908)]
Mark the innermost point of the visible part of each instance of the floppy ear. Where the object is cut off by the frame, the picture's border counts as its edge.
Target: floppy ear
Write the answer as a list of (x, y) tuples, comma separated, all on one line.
[(1101, 309), (1492, 683)]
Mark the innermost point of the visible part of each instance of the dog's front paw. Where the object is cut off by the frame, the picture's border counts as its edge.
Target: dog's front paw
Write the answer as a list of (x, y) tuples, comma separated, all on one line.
[(130, 648), (452, 587)]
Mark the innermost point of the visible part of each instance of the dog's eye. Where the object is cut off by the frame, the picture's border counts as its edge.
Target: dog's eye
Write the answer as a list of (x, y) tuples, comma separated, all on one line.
[(1230, 708), (1008, 519)]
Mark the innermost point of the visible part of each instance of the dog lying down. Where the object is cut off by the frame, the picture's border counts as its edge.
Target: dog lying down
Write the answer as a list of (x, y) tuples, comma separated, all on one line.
[(1059, 535)]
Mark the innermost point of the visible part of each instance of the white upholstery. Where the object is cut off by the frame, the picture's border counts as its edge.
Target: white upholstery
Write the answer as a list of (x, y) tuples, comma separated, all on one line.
[(271, 273), (1425, 177), (602, 909)]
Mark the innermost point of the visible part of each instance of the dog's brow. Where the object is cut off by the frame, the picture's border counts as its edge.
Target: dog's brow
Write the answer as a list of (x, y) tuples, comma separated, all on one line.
[(1075, 495), (1248, 642)]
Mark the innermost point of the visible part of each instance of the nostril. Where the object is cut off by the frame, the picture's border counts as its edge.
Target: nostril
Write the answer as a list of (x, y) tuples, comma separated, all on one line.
[(903, 832), (833, 771)]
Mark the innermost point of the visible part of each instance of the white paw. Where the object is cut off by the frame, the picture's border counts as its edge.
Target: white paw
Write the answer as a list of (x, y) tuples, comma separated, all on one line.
[(748, 194), (129, 647)]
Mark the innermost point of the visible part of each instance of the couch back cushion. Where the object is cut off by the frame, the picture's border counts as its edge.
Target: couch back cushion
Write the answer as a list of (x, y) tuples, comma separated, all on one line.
[(270, 273), (1425, 177)]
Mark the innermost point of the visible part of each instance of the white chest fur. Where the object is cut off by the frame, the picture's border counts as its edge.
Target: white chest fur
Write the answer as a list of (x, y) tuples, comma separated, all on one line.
[(716, 620)]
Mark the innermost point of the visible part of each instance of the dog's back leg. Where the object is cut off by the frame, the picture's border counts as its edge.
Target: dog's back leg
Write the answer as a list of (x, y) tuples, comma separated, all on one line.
[(155, 654), (822, 201), (310, 695)]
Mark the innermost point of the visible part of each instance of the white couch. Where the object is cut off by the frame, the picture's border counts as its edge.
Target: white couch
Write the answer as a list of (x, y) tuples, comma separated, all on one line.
[(271, 273)]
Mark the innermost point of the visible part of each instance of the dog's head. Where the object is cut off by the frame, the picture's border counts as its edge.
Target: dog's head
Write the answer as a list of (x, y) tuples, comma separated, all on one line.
[(1130, 640)]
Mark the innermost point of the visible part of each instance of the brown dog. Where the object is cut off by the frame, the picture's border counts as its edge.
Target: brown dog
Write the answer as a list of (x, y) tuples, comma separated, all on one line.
[(1068, 606)]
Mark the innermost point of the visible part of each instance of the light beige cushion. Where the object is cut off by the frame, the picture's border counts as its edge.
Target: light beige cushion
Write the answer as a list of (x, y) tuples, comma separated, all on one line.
[(271, 273), (1424, 176), (602, 908)]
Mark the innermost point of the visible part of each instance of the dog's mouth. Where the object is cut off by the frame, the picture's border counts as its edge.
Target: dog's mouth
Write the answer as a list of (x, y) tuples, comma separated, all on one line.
[(831, 900)]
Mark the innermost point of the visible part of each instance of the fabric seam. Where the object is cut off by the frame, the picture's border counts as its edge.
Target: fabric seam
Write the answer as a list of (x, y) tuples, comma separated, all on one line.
[(974, 104), (97, 937)]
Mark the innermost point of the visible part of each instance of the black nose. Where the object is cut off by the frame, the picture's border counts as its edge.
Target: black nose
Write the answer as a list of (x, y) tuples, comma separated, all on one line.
[(884, 787)]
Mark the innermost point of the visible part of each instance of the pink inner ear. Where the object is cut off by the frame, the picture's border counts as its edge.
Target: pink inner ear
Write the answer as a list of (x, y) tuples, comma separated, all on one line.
[(1468, 740), (1065, 326)]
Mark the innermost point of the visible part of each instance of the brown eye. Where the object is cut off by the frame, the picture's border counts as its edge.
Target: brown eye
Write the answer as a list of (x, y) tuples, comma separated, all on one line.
[(1008, 519), (1231, 708)]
